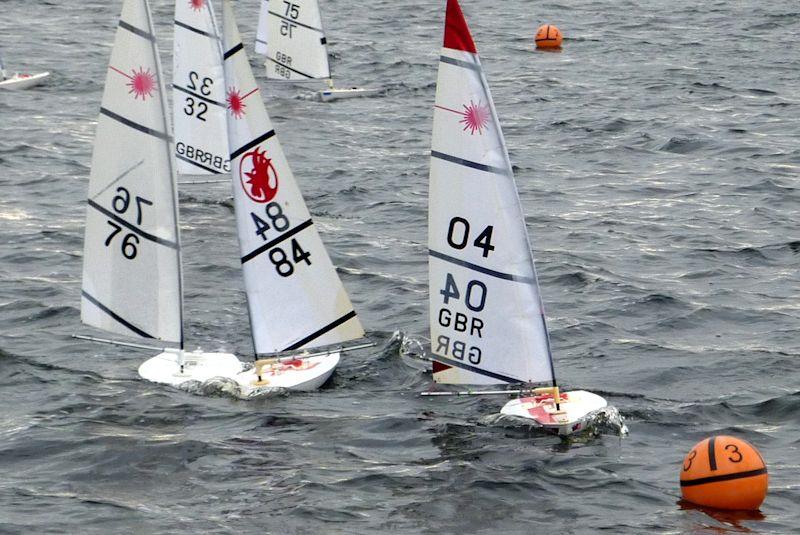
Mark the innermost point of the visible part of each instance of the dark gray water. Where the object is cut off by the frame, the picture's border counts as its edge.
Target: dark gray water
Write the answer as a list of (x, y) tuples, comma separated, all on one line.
[(657, 159)]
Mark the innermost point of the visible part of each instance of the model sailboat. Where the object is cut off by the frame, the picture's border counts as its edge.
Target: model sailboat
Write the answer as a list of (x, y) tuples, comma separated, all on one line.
[(19, 80), (132, 282), (487, 320), (291, 36)]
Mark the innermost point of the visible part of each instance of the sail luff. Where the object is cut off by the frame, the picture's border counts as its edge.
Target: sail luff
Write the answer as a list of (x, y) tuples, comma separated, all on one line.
[(295, 298), (162, 94), (487, 319)]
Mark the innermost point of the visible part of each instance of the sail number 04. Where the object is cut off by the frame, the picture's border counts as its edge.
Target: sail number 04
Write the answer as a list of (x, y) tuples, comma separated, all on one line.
[(120, 203), (283, 262), (458, 235)]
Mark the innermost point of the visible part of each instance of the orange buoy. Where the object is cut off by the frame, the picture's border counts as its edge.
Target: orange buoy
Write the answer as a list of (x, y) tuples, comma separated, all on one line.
[(548, 36), (725, 473)]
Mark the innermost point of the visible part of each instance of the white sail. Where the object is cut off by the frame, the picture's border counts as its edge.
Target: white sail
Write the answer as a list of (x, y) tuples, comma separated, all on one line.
[(487, 322), (201, 143), (261, 30), (290, 34), (295, 297), (131, 267)]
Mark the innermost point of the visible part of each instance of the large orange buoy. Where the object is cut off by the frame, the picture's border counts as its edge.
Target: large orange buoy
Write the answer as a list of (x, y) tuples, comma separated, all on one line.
[(724, 472), (548, 36)]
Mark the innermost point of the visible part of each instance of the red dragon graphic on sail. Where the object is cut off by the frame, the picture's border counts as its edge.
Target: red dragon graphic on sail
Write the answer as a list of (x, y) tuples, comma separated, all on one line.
[(258, 176)]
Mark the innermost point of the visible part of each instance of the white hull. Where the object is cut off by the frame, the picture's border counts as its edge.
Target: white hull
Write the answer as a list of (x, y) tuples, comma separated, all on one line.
[(327, 95), (24, 81), (299, 374), (575, 409)]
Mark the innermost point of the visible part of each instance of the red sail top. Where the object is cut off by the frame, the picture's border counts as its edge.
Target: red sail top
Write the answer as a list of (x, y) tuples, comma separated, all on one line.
[(456, 32)]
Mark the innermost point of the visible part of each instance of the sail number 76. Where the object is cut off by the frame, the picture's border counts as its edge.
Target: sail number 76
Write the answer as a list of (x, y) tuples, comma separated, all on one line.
[(120, 203)]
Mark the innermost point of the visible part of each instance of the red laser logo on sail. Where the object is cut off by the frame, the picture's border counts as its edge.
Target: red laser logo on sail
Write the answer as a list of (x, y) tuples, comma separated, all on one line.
[(236, 103), (197, 5), (141, 82), (474, 117), (262, 185)]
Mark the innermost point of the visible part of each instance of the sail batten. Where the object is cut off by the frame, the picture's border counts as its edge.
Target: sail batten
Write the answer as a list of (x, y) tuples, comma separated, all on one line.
[(486, 314), (294, 296)]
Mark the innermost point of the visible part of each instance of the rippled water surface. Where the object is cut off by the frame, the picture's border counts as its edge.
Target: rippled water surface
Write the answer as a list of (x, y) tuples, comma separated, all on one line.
[(657, 159)]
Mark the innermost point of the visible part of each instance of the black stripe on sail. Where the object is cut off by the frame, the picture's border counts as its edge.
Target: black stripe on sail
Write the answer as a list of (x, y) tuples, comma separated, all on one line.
[(135, 126), (276, 62), (473, 369), (480, 269), (724, 477), (468, 163), (138, 31), (461, 63), (287, 19), (261, 41), (195, 30), (187, 160), (137, 230), (253, 143), (712, 457), (119, 319), (233, 51), (272, 243), (201, 97), (329, 327)]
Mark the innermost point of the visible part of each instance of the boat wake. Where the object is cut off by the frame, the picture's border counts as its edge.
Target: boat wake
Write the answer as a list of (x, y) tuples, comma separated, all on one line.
[(605, 421)]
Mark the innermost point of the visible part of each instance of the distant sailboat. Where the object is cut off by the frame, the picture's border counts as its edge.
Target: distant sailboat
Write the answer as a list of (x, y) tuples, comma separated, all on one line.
[(19, 81), (132, 281), (487, 319), (291, 36)]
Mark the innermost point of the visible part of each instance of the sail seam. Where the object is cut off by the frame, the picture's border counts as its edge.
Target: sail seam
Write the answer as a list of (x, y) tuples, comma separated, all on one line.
[(134, 125), (300, 343), (195, 30), (295, 22), (253, 143), (481, 269), (468, 163), (115, 316), (461, 63), (289, 68), (270, 244), (187, 160), (233, 51), (487, 373), (138, 31), (137, 230), (201, 97)]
